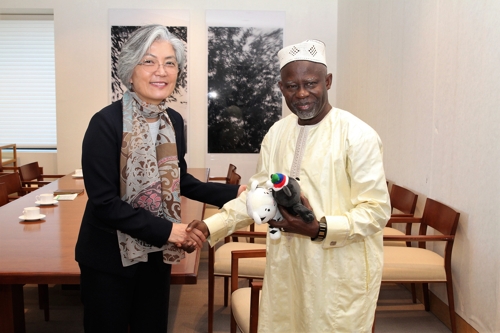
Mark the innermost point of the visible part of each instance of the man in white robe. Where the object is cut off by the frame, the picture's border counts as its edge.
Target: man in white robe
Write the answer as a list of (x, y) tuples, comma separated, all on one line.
[(323, 276)]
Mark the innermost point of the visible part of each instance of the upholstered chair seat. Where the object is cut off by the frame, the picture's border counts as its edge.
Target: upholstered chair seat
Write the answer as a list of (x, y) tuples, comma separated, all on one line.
[(412, 264), (249, 267), (240, 305)]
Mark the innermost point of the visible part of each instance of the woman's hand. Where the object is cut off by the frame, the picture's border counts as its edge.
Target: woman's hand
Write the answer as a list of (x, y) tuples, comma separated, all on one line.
[(241, 189), (188, 240)]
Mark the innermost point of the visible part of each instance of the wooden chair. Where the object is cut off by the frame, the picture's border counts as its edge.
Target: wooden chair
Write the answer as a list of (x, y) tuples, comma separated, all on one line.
[(32, 175), (13, 185), (219, 260), (8, 156), (220, 265), (244, 301), (403, 203), (231, 178), (11, 182), (418, 264)]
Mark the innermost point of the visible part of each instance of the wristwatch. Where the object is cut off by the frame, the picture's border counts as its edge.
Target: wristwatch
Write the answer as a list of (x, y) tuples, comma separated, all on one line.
[(321, 232)]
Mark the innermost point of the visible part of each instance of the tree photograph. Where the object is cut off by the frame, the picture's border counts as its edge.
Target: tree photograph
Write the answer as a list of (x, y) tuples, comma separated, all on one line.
[(243, 95)]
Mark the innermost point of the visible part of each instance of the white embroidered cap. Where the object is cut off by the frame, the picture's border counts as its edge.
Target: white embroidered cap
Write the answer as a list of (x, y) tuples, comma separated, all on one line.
[(310, 50)]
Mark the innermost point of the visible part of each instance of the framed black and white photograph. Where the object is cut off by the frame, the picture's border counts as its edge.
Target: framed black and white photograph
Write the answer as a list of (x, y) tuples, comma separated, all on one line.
[(243, 72), (243, 96)]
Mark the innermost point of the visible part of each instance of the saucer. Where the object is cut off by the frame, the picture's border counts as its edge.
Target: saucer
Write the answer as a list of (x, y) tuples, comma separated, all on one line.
[(39, 217), (53, 202)]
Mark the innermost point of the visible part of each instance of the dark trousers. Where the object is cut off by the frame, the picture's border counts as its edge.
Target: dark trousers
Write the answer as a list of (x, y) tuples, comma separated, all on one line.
[(114, 304)]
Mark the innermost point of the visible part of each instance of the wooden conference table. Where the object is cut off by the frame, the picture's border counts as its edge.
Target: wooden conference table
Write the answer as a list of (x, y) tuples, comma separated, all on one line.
[(43, 251)]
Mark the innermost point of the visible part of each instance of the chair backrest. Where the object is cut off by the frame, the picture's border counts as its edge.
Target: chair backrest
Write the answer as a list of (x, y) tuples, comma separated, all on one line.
[(4, 196), (403, 199), (12, 183), (440, 217), (232, 177), (232, 168), (30, 171)]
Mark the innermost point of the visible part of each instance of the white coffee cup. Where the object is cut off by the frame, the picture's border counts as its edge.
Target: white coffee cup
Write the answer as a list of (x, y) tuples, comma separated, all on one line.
[(79, 173), (45, 198), (31, 212)]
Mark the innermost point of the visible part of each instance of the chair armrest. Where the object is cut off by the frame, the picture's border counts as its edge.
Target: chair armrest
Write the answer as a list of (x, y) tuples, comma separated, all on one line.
[(52, 176), (250, 234), (28, 189), (210, 179), (404, 219), (245, 233), (419, 238), (28, 183), (238, 254), (15, 169), (257, 285), (24, 190)]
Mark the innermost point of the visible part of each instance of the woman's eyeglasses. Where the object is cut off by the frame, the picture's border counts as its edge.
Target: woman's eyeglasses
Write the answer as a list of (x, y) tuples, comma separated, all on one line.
[(152, 65)]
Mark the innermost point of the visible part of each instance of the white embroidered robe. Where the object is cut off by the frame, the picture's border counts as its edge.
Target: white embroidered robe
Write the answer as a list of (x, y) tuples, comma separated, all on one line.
[(329, 286)]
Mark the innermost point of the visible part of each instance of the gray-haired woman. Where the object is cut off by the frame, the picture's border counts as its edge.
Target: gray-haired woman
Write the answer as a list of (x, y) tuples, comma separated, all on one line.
[(135, 172)]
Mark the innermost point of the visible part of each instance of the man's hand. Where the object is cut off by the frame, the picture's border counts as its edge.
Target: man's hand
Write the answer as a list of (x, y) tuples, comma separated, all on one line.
[(198, 226), (188, 240), (295, 224)]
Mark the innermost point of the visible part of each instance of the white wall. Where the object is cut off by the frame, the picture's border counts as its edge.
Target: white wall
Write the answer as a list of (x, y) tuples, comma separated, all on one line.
[(426, 75), (82, 53)]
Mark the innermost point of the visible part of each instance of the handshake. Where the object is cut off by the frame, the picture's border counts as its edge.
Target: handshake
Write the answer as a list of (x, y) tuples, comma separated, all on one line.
[(192, 236), (189, 237)]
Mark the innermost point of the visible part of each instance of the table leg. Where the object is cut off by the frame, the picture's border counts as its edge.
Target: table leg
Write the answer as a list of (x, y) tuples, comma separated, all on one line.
[(12, 308)]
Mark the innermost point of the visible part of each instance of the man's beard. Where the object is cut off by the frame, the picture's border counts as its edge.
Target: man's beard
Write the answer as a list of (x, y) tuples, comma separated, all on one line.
[(306, 115)]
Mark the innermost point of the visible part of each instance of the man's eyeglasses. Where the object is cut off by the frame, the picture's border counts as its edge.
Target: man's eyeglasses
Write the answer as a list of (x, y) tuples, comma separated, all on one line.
[(152, 65)]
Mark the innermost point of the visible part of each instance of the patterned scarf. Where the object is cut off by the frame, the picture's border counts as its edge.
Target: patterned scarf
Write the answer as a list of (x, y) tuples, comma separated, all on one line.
[(149, 175)]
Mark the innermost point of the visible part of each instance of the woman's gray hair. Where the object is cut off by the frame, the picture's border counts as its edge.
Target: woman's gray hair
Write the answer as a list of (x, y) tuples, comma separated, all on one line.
[(139, 43)]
